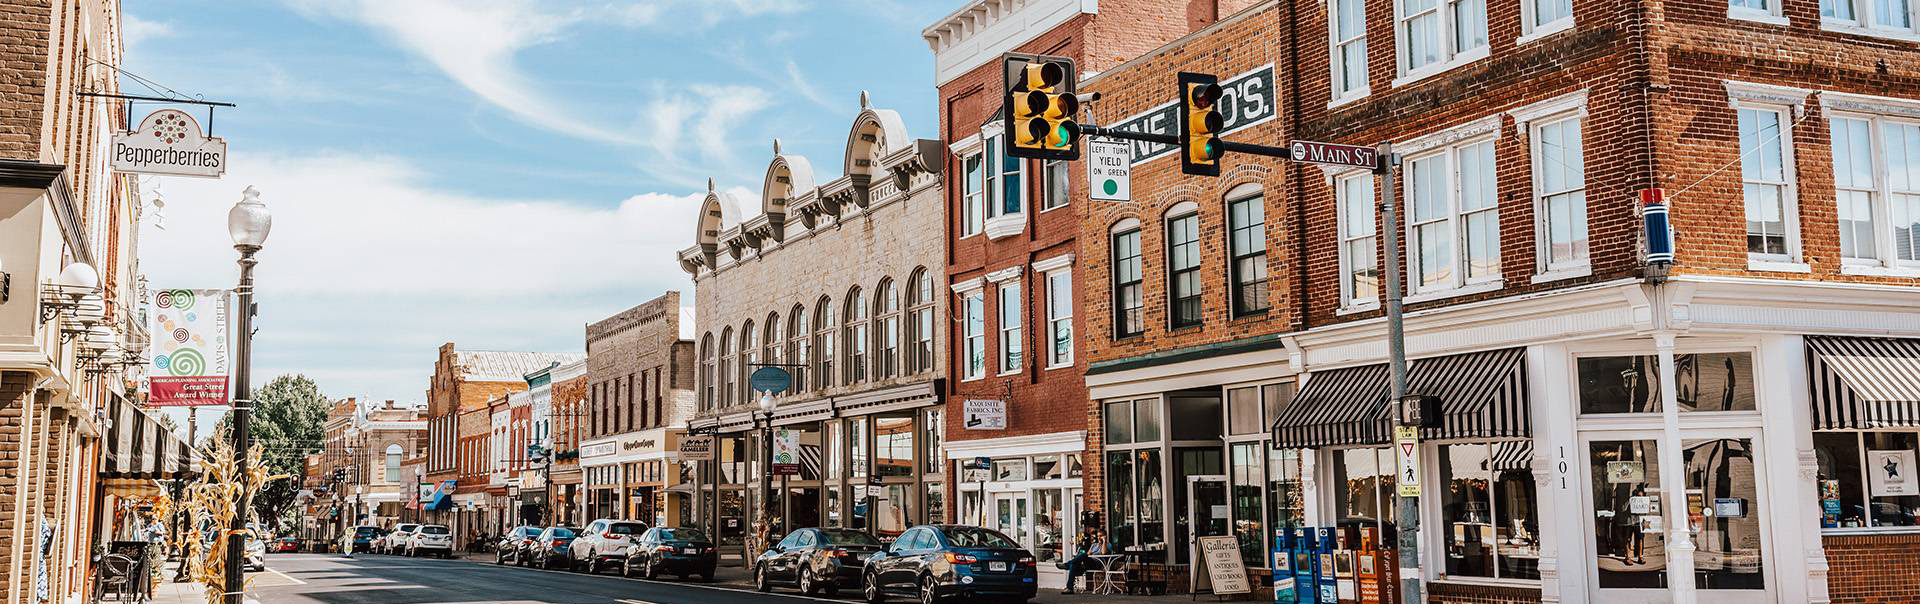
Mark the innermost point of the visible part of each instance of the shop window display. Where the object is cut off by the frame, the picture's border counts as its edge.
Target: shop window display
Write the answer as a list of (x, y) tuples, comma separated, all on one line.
[(1489, 510), (1867, 479)]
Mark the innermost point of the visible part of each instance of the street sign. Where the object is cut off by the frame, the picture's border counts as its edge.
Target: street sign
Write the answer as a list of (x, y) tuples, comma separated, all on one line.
[(770, 379), (1110, 170), (1335, 154), (977, 414), (1407, 446)]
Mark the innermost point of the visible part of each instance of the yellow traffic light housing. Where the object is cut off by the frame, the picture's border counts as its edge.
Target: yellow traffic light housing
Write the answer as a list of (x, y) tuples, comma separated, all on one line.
[(1200, 124), (1040, 106)]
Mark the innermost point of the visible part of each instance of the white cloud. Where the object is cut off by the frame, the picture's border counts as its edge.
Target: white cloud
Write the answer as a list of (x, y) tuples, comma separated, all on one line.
[(369, 267), (134, 30)]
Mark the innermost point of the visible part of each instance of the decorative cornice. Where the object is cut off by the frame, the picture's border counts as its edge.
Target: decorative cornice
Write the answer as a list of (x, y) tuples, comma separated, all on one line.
[(1452, 135), (968, 286), (1053, 264), (1002, 275), (1575, 102), (1765, 93), (1841, 101)]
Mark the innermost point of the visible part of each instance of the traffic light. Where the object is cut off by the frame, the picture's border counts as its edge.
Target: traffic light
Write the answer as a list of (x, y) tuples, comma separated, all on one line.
[(1200, 124), (1040, 106)]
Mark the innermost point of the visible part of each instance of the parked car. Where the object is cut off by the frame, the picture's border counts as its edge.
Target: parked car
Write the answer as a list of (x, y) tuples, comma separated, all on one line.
[(933, 562), (513, 545), (549, 548), (255, 557), (286, 545), (430, 540), (396, 541), (676, 551), (604, 541), (816, 560), (364, 537)]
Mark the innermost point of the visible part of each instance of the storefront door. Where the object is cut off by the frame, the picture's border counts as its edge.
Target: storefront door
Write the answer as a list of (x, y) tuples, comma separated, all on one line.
[(1724, 483), (1010, 516), (1056, 513), (1208, 514)]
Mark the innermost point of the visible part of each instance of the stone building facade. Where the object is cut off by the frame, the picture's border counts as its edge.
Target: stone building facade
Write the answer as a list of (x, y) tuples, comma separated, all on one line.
[(640, 365), (829, 280), (1594, 403)]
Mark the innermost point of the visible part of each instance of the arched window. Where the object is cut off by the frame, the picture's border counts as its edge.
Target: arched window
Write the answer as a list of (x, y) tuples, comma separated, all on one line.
[(749, 354), (394, 453), (772, 342), (726, 367), (856, 337), (823, 336), (920, 321), (706, 371), (797, 337), (886, 313)]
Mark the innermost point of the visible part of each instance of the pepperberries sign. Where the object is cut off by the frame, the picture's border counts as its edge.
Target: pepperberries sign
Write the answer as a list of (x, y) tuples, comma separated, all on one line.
[(169, 142)]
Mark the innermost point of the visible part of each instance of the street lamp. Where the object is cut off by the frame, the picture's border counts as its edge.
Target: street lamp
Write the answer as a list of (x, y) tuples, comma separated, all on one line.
[(247, 223), (766, 465)]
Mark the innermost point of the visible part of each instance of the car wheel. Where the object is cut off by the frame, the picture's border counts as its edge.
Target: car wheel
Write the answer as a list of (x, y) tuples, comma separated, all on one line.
[(760, 580), (807, 588), (499, 557), (873, 593), (927, 593), (652, 570)]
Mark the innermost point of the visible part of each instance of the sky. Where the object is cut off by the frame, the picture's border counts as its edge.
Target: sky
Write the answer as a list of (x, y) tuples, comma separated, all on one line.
[(494, 173)]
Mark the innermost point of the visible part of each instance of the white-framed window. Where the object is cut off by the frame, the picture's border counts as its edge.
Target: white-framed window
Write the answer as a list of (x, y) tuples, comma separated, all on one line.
[(1359, 243), (1129, 298), (1247, 254), (1060, 318), (1003, 179), (1347, 46), (1184, 289), (1008, 305), (1541, 17), (1885, 18), (1766, 11), (1876, 177), (1453, 220), (973, 334), (1435, 35), (972, 204), (1767, 183), (1560, 193), (1057, 192)]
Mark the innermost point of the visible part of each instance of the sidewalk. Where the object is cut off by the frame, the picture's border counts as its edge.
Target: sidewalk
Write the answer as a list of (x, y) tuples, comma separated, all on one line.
[(181, 593)]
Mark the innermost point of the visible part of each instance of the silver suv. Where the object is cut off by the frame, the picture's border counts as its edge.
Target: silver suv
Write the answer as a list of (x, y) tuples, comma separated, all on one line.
[(604, 544), (396, 541), (431, 540)]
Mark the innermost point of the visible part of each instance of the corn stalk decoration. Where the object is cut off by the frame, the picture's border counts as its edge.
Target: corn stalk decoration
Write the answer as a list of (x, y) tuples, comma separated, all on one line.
[(211, 503)]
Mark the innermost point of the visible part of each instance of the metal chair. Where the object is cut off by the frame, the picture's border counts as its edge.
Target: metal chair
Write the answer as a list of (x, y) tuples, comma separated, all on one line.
[(117, 574)]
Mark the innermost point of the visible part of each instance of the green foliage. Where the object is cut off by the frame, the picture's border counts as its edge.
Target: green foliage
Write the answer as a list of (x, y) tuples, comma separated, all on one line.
[(289, 418)]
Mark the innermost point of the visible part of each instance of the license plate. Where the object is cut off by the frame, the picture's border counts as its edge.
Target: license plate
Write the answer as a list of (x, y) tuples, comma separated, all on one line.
[(997, 566), (689, 550)]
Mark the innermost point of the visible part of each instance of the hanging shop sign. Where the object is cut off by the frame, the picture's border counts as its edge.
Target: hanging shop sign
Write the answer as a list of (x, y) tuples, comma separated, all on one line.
[(983, 414), (190, 348), (169, 142), (696, 447)]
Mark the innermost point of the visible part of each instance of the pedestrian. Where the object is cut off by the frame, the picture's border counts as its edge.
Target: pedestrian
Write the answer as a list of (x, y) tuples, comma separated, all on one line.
[(1092, 543)]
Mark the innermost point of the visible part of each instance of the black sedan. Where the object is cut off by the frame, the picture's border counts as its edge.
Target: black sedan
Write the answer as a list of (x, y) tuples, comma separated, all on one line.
[(816, 560), (935, 562), (676, 551), (549, 549), (513, 545)]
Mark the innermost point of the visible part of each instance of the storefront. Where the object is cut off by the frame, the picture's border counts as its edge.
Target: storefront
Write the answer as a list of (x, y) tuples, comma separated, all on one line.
[(628, 476), (869, 461), (1031, 490)]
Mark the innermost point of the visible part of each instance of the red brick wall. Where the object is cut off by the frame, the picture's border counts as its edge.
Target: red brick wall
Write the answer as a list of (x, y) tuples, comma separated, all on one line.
[(1873, 569)]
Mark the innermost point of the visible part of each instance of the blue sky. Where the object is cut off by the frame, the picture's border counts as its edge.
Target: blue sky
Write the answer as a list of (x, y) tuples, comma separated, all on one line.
[(494, 173)]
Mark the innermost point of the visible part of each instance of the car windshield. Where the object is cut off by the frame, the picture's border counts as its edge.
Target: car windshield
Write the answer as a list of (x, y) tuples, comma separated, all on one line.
[(626, 528), (364, 531), (973, 536), (560, 532), (682, 534), (434, 530), (406, 528), (843, 537)]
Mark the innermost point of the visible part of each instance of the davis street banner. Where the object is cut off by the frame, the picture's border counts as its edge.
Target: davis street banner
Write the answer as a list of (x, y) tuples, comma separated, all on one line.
[(190, 355), (169, 142)]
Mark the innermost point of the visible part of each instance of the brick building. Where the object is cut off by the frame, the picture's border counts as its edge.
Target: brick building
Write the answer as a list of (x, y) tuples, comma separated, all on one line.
[(460, 396), (1011, 233), (835, 278), (1765, 367), (549, 476), (640, 372), (568, 383)]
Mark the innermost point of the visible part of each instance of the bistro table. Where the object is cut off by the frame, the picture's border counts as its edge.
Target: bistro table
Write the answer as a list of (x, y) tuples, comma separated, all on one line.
[(1104, 583)]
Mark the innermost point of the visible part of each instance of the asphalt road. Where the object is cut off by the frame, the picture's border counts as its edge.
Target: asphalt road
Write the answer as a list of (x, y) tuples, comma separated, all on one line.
[(375, 579)]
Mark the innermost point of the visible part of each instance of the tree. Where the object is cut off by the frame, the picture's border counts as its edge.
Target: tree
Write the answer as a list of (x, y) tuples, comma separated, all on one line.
[(289, 419)]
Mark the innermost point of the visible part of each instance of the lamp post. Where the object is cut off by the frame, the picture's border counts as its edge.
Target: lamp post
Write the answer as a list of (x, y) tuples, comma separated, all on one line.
[(766, 464), (247, 223)]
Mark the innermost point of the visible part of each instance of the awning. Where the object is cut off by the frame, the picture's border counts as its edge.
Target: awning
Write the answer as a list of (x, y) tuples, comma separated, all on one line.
[(1482, 395), (1862, 383), (1512, 455), (139, 446), (1336, 407)]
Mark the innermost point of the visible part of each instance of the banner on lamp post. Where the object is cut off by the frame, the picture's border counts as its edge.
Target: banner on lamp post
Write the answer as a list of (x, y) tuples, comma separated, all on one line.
[(786, 452), (190, 348)]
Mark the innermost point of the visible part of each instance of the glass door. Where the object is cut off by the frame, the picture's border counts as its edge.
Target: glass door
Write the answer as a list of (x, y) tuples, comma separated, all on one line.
[(1052, 530), (1723, 484), (1010, 516)]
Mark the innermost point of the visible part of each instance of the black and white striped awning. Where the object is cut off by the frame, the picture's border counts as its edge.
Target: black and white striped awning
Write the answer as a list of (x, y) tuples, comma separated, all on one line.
[(1863, 383), (139, 446), (1336, 407), (1512, 456), (1482, 395)]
